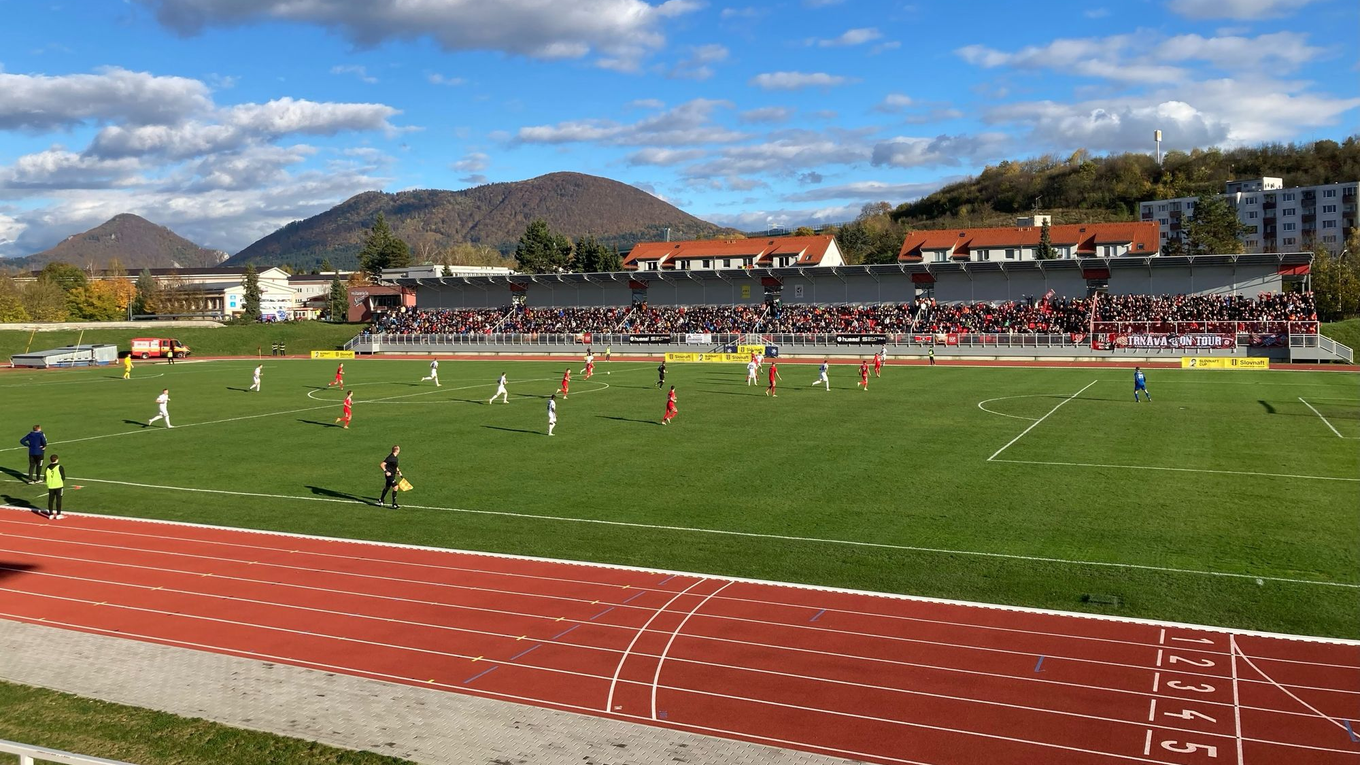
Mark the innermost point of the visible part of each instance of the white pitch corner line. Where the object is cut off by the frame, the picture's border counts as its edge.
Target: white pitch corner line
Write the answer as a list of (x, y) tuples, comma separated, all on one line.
[(1041, 419), (1320, 417)]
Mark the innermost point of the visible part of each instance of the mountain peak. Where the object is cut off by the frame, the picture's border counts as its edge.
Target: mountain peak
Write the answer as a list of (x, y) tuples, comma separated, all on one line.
[(133, 241), (493, 214)]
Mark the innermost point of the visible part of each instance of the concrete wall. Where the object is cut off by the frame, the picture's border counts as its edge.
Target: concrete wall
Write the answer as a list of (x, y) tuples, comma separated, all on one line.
[(686, 288)]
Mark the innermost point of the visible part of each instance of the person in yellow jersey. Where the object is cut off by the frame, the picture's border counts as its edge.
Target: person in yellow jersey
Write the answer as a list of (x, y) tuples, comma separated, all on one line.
[(127, 367), (55, 474)]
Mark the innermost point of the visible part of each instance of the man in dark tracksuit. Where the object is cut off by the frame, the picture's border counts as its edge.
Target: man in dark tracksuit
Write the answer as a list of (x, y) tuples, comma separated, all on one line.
[(661, 374), (55, 477), (392, 475), (36, 441)]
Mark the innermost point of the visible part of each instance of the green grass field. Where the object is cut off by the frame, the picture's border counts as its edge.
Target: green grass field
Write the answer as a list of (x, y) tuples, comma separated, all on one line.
[(299, 337), (1226, 473), (55, 720)]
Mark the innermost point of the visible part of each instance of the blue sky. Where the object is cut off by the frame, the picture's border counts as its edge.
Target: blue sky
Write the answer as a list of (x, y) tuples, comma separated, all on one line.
[(225, 119)]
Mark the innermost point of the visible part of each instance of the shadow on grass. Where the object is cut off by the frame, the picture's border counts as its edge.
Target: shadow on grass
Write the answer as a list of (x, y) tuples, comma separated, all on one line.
[(24, 502), (142, 423), (627, 419), (320, 424), (333, 494), (242, 390), (1269, 409), (514, 430), (15, 474)]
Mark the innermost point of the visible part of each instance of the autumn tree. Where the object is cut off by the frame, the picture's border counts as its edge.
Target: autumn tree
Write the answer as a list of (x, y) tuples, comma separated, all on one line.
[(11, 300), (45, 300), (804, 231), (1215, 228)]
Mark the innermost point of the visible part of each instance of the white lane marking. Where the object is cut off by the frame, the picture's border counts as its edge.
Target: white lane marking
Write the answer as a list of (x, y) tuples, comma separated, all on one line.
[(1186, 470), (661, 662), (614, 681), (762, 582), (1233, 646), (1237, 699), (1035, 424), (1325, 421)]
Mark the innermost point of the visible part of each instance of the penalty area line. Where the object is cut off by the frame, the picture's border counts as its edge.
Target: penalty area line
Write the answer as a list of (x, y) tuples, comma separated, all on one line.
[(743, 534)]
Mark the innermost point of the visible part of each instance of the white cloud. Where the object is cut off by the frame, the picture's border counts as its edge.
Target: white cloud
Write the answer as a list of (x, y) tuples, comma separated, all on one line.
[(475, 179), (688, 124), (472, 162), (1278, 51), (1096, 13), (41, 102), (655, 155), (787, 152), (697, 66), (894, 103), (435, 78), (622, 29), (358, 71), (849, 38), (872, 191), (944, 150), (1090, 57), (649, 104), (785, 218), (767, 114), (798, 80), (883, 47), (57, 168), (742, 13), (1235, 9)]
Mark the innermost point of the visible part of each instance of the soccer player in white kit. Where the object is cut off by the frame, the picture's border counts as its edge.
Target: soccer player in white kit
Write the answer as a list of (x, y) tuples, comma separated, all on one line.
[(552, 413), (434, 372), (163, 404), (255, 385), (500, 391), (751, 372), (821, 377)]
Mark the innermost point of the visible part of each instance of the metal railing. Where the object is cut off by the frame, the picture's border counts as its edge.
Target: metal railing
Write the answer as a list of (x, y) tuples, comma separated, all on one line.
[(1338, 351), (28, 755)]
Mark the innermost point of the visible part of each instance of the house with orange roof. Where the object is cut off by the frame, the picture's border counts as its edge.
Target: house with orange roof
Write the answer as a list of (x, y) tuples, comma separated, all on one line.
[(1006, 244), (817, 251)]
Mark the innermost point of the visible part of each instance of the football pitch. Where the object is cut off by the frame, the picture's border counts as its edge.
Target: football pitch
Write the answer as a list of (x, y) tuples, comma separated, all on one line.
[(1233, 498)]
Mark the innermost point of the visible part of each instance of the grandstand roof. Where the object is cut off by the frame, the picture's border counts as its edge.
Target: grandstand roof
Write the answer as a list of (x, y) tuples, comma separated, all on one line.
[(809, 249), (1083, 237)]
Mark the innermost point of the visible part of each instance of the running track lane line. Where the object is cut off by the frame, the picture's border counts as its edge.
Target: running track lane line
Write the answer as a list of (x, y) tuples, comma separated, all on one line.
[(656, 678), (1037, 422), (614, 681), (494, 572), (742, 534), (714, 594)]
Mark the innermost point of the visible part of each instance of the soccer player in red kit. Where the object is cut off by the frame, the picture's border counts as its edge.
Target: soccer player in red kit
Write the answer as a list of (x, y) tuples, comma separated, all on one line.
[(566, 381), (864, 374), (774, 378), (590, 365), (878, 363), (349, 410), (671, 411), (339, 377)]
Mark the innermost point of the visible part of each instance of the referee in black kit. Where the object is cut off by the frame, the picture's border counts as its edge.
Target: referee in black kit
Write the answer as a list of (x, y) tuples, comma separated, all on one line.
[(661, 374), (392, 474)]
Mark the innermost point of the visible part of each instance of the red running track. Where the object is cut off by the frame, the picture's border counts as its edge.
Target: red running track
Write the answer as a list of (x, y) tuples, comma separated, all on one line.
[(870, 677)]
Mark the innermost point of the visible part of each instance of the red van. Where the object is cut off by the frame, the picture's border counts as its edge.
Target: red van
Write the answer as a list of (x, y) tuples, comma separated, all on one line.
[(157, 347)]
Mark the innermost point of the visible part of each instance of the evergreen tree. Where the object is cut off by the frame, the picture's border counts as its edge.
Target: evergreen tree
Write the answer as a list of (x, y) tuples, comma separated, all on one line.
[(337, 303), (148, 292), (1215, 229), (250, 309), (541, 251), (1045, 249), (382, 249), (590, 255), (611, 261), (326, 266)]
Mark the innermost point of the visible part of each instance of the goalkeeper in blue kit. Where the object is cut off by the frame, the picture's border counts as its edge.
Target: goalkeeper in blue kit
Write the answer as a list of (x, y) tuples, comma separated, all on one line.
[(1140, 384)]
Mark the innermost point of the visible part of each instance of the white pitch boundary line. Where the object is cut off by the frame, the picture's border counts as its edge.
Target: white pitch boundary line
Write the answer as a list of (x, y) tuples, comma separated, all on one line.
[(1186, 470), (614, 681), (1041, 419), (747, 580), (531, 595), (108, 379), (1271, 680), (656, 677), (1324, 419), (743, 534)]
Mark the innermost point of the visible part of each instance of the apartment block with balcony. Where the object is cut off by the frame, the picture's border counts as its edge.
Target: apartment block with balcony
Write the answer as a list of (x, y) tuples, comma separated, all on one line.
[(1278, 219)]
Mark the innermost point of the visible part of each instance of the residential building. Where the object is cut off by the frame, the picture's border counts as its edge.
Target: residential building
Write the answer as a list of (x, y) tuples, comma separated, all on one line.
[(1276, 219), (817, 251), (1010, 245)]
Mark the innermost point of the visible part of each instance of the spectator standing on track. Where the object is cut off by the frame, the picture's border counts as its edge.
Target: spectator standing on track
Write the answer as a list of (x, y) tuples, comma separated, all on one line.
[(392, 475), (932, 355), (434, 373), (1140, 383), (163, 409), (500, 391), (55, 476), (36, 441), (255, 384), (607, 350), (661, 374), (552, 413), (127, 366)]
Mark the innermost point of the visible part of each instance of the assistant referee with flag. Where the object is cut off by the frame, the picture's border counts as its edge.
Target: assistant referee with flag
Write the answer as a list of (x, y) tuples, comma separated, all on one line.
[(55, 475)]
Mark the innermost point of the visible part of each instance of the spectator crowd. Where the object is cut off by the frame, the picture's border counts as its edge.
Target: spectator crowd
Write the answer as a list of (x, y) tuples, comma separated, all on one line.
[(1123, 313)]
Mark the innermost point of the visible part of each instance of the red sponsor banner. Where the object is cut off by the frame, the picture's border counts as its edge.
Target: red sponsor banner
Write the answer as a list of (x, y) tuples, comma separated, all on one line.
[(951, 339), (1106, 341)]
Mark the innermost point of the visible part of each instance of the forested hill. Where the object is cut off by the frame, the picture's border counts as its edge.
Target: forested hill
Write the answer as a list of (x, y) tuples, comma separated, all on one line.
[(494, 215), (1084, 189)]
